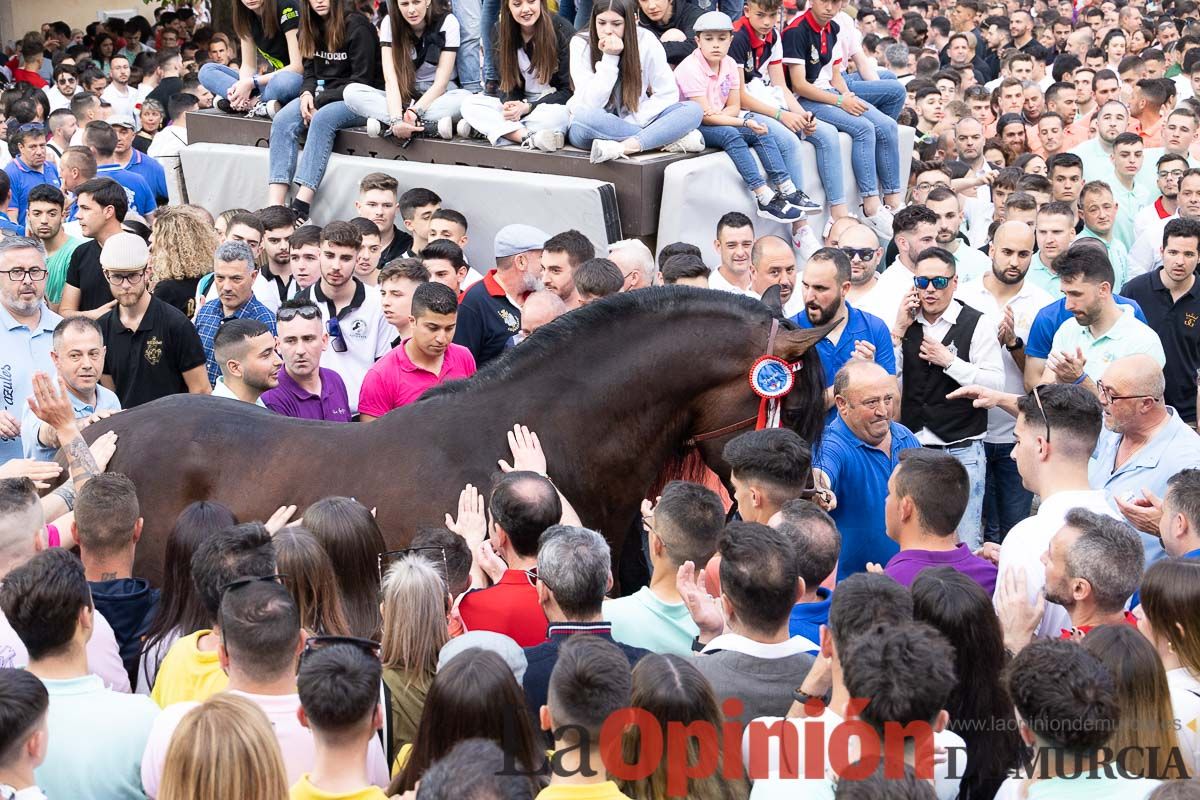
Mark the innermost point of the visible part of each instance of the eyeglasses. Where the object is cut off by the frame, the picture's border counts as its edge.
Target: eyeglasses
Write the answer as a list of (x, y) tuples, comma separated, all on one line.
[(939, 283), (925, 186), (532, 576), (386, 560), (335, 330), (1171, 173), (315, 643), (304, 312), (1037, 398), (1107, 396), (19, 275), (124, 278), (241, 582), (861, 253)]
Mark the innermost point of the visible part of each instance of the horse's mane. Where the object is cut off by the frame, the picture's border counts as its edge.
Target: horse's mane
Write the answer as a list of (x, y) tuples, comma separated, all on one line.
[(599, 319)]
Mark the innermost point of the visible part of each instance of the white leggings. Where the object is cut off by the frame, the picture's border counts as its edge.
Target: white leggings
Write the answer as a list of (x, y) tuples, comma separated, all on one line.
[(486, 115), (367, 101)]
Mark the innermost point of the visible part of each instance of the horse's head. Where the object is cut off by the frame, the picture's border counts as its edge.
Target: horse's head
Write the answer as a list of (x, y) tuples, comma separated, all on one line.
[(732, 408)]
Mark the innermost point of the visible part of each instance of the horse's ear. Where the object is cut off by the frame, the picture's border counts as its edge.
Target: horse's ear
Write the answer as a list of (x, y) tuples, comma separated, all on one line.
[(772, 299), (791, 345)]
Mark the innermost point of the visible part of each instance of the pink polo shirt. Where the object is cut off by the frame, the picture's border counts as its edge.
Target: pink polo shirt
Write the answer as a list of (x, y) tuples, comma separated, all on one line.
[(396, 381), (697, 79)]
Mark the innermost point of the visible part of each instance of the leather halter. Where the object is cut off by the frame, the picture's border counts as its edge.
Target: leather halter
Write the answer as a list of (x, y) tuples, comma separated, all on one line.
[(741, 424)]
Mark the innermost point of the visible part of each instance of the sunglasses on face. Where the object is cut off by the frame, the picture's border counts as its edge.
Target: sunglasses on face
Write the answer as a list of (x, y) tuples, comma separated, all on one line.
[(939, 283), (304, 312), (861, 253), (335, 331)]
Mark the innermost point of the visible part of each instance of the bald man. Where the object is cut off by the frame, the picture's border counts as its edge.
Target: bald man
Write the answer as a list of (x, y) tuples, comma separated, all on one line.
[(540, 308), (1144, 442), (856, 457), (861, 246), (1010, 302), (773, 263)]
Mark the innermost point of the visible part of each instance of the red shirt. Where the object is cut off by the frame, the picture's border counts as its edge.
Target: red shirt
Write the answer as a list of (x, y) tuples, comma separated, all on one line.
[(396, 381), (510, 607), (1069, 633), (32, 78)]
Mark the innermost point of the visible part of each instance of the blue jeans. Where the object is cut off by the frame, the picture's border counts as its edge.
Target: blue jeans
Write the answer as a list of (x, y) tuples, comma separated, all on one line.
[(285, 142), (1005, 500), (829, 156), (284, 85), (737, 143), (671, 124), (577, 11), (885, 94), (971, 456), (467, 12), (875, 141)]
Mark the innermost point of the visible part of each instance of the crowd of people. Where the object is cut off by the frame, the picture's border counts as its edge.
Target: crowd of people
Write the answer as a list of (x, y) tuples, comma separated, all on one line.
[(991, 557)]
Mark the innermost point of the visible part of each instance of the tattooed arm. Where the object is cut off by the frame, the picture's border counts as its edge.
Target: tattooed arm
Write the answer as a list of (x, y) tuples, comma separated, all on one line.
[(52, 405)]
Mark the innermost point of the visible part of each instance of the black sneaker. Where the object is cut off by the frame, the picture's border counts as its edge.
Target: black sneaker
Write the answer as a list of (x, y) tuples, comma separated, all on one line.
[(802, 201), (491, 88), (779, 210)]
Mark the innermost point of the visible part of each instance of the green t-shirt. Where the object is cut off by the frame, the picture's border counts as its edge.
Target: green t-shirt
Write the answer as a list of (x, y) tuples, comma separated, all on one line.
[(56, 266)]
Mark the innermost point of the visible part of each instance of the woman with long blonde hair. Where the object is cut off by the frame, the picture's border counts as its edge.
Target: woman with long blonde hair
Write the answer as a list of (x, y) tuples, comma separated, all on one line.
[(415, 626), (224, 748), (181, 252)]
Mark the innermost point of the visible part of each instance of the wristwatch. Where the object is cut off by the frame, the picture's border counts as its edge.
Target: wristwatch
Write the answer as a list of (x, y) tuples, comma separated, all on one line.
[(802, 697), (1019, 344)]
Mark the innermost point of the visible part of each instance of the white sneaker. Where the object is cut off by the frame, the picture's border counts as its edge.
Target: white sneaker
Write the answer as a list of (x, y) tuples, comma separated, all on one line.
[(273, 108), (445, 128), (692, 143), (806, 243), (546, 141), (881, 223), (375, 128), (606, 150), (464, 129)]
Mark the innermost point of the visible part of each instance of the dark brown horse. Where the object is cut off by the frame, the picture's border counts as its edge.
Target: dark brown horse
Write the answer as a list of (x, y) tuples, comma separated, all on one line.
[(615, 391)]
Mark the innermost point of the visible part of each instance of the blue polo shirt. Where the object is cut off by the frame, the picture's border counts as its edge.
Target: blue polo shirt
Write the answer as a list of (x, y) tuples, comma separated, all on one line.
[(1050, 319), (487, 320), (1195, 554), (807, 618), (858, 474), (23, 178), (137, 191), (30, 424), (151, 172), (22, 353), (860, 326)]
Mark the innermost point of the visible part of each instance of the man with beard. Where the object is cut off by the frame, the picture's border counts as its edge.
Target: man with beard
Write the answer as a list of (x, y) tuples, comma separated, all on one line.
[(915, 231), (947, 205), (1101, 331), (423, 361), (359, 332), (861, 246), (1098, 209), (1170, 299), (824, 285), (151, 349), (29, 169), (26, 330), (490, 312), (44, 221), (1096, 153), (245, 349), (735, 240), (78, 358), (306, 390), (947, 345), (1010, 303), (233, 278), (773, 263), (100, 205), (563, 254)]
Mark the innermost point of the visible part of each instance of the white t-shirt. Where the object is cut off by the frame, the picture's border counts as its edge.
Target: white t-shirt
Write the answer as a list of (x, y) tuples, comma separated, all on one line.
[(1185, 703), (717, 281), (884, 300), (121, 103), (1029, 300), (1030, 538), (368, 338), (447, 38), (295, 740)]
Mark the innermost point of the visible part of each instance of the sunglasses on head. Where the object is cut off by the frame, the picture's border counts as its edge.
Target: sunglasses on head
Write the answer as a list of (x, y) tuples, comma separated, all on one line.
[(335, 330), (304, 312), (940, 282), (861, 253), (315, 643), (241, 582)]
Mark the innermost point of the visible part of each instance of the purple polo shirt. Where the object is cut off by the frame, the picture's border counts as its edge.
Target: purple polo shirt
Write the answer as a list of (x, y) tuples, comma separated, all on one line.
[(396, 381), (906, 564), (288, 399)]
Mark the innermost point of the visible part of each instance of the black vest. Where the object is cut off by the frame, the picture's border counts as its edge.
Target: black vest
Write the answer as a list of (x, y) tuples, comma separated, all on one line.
[(923, 397)]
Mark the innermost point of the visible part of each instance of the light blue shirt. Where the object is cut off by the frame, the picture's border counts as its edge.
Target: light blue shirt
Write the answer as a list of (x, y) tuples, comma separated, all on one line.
[(1118, 255), (643, 620), (97, 737), (22, 353), (1175, 447), (30, 424)]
